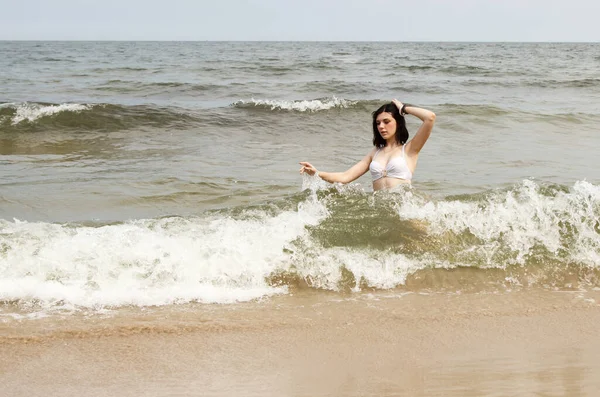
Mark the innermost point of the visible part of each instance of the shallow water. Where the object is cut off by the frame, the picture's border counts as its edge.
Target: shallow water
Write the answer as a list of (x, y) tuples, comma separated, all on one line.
[(163, 173)]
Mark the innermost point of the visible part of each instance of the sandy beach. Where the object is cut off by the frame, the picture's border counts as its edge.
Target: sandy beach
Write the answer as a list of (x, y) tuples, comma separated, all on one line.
[(524, 343)]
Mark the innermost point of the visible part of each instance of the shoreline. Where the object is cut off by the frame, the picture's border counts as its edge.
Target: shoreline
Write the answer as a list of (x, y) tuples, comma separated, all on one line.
[(514, 343)]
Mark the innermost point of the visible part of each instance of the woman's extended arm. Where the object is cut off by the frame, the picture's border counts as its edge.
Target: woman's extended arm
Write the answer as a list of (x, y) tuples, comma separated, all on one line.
[(428, 117), (353, 173)]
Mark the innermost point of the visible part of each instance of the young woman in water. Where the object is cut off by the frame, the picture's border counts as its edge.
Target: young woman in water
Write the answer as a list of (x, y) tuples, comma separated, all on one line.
[(393, 160)]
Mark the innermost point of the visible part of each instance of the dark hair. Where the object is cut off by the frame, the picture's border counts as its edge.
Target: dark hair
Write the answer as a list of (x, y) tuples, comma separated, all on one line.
[(401, 131)]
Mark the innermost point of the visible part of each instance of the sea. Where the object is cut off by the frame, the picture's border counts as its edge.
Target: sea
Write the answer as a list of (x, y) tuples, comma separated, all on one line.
[(150, 175)]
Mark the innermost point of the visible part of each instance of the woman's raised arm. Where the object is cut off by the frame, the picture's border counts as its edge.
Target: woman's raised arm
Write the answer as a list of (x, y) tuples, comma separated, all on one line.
[(415, 145)]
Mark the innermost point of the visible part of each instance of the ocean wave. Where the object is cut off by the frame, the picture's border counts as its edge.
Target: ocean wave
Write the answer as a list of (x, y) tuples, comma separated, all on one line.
[(172, 87), (321, 65), (314, 105), (337, 86), (573, 83), (340, 104), (148, 262), (514, 226), (415, 68), (119, 69), (32, 112), (333, 238), (51, 59), (471, 70), (32, 117), (537, 83), (487, 113), (531, 234), (474, 110)]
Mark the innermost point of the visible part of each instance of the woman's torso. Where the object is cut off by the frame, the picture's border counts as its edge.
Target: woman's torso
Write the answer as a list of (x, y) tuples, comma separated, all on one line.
[(392, 167)]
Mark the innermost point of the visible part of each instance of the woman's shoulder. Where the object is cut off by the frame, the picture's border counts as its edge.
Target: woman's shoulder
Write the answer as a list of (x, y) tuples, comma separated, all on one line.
[(370, 155), (373, 151)]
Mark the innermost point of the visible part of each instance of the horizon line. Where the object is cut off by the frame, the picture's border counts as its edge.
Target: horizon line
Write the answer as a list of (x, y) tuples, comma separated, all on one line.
[(299, 41)]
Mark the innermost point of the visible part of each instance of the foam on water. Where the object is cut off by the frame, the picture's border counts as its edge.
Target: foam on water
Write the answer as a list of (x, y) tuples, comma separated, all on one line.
[(563, 222), (148, 262), (340, 268), (300, 106), (222, 258), (32, 111)]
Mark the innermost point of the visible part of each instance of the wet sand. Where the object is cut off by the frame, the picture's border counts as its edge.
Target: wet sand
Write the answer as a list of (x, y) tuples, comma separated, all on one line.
[(316, 344)]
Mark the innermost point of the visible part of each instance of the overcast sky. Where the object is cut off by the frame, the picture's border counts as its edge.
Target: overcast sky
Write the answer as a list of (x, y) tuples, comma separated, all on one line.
[(352, 20)]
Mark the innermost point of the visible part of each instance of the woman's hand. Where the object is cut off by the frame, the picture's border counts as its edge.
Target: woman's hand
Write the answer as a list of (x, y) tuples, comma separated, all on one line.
[(398, 104), (307, 168)]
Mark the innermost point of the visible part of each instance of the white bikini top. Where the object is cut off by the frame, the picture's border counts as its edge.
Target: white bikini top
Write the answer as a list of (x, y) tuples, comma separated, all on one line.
[(395, 168)]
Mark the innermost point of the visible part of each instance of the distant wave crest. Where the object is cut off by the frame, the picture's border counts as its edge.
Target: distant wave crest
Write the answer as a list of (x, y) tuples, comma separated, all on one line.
[(32, 111), (314, 105), (36, 116)]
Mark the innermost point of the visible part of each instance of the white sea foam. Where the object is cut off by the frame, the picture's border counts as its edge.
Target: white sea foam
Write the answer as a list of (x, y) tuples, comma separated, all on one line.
[(301, 106), (220, 259), (148, 262), (31, 111), (375, 269), (521, 219)]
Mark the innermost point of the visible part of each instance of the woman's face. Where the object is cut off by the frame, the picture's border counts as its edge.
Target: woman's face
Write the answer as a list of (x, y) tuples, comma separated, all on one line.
[(386, 125)]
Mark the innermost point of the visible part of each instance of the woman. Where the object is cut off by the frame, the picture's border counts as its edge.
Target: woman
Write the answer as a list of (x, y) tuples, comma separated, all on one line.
[(393, 160)]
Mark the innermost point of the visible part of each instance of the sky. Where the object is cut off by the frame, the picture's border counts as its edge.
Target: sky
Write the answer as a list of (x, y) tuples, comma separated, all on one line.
[(302, 20)]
